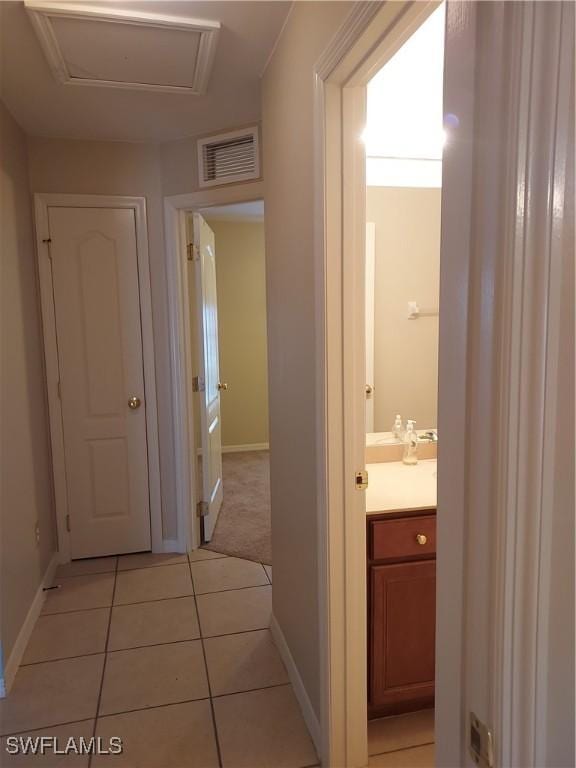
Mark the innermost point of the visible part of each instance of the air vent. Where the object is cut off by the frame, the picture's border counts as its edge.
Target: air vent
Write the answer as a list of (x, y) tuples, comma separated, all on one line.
[(229, 157)]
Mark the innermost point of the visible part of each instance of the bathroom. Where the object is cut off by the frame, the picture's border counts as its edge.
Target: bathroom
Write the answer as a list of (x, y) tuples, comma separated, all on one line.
[(404, 141)]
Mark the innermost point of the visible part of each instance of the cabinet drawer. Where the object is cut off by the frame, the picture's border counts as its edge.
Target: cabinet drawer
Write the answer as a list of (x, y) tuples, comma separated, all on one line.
[(399, 538)]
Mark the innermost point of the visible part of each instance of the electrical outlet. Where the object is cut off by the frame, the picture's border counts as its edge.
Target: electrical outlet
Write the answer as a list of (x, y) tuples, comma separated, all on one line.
[(37, 533), (480, 746)]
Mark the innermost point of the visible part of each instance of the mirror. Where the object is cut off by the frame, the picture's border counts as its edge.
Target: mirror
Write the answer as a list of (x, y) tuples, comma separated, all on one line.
[(404, 143)]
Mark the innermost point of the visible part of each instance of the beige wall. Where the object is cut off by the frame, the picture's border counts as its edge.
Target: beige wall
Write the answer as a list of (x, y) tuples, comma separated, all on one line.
[(120, 168), (407, 268), (288, 139), (26, 497), (241, 284)]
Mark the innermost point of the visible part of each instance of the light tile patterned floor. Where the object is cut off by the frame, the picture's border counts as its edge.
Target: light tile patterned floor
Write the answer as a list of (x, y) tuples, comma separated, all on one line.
[(405, 741), (172, 654)]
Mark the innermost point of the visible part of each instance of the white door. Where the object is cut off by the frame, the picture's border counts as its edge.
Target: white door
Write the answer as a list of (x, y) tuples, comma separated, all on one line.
[(369, 305), (99, 336), (209, 379)]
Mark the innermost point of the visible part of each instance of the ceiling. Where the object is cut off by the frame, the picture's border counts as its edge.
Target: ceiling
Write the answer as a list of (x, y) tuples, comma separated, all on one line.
[(45, 107), (244, 212)]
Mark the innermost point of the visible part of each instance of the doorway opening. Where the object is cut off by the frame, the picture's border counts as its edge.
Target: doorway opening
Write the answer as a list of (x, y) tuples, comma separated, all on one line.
[(404, 141), (361, 546), (228, 368)]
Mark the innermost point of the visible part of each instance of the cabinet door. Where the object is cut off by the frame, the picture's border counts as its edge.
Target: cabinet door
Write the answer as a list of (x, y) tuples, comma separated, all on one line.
[(403, 623)]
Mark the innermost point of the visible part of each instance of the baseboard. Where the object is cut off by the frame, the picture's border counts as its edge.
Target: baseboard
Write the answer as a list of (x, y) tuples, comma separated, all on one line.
[(246, 447), (34, 611), (308, 713)]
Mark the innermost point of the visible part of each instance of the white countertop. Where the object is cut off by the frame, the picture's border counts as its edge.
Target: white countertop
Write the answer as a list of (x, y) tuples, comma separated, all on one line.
[(395, 487)]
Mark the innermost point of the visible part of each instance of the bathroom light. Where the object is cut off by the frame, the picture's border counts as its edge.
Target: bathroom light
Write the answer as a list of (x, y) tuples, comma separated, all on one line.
[(404, 108)]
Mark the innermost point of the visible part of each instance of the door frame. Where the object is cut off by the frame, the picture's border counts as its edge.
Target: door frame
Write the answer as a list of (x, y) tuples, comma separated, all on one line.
[(42, 202), (175, 209), (504, 253), (370, 36)]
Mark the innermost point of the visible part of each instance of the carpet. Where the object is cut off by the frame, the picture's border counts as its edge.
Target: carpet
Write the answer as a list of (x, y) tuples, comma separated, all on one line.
[(243, 525)]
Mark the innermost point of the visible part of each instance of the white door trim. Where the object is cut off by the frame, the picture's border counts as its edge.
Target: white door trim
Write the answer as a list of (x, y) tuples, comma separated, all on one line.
[(42, 201), (175, 209), (370, 36), (505, 249)]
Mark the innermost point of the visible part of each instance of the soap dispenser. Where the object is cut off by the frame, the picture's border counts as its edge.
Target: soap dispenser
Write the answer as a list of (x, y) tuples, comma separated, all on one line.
[(410, 444), (397, 428)]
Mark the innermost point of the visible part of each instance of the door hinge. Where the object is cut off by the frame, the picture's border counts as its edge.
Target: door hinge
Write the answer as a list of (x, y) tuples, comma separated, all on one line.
[(198, 384), (68, 526), (361, 480), (192, 253), (202, 508)]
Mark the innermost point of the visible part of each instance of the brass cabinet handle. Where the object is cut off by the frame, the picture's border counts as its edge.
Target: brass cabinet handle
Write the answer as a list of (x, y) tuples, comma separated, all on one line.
[(421, 539), (222, 386), (134, 402)]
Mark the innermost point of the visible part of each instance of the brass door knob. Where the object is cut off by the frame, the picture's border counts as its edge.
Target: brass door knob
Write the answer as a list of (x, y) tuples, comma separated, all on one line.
[(369, 389), (222, 386), (421, 539), (134, 402)]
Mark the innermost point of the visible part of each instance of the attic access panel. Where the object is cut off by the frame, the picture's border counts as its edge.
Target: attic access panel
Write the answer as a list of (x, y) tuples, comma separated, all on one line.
[(107, 47)]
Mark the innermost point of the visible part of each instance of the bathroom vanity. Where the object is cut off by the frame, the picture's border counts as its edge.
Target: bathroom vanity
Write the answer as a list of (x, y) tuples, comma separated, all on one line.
[(401, 582)]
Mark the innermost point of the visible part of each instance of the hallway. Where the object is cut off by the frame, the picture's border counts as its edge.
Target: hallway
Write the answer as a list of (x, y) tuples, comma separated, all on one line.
[(172, 654)]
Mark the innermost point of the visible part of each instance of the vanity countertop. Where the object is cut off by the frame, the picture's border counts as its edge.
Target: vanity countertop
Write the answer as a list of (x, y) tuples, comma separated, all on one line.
[(397, 487)]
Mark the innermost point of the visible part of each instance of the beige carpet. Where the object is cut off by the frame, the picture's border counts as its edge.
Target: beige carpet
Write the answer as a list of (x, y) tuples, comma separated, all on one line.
[(243, 527)]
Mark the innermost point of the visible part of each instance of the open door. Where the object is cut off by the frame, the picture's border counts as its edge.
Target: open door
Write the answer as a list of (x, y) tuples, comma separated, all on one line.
[(208, 384)]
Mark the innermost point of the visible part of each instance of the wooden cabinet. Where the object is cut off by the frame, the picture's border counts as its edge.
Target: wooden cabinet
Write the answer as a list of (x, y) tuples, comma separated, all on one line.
[(401, 612)]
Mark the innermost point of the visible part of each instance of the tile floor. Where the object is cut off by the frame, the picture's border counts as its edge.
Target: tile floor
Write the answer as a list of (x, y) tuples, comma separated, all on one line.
[(174, 655), (405, 741)]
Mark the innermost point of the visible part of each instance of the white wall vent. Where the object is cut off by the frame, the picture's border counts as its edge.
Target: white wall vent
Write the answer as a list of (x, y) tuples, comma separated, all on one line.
[(230, 157)]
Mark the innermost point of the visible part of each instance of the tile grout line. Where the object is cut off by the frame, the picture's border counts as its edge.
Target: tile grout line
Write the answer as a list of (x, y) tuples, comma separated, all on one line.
[(402, 749), (266, 574), (145, 647), (141, 647), (233, 589), (159, 599), (105, 660), (146, 709), (214, 725)]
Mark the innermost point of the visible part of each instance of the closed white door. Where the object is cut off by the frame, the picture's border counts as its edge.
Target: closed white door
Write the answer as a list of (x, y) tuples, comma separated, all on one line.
[(99, 336), (209, 379)]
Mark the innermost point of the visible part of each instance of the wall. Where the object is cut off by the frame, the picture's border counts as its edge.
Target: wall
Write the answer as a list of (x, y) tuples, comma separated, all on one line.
[(26, 476), (120, 168), (241, 284), (288, 141), (407, 268)]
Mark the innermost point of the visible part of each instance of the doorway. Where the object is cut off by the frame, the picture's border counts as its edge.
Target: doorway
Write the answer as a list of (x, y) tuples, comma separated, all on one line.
[(179, 212), (348, 539), (95, 291), (227, 311), (404, 142)]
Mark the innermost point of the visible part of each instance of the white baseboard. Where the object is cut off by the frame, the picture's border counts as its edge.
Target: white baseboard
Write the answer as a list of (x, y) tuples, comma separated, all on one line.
[(308, 713), (15, 658), (246, 447)]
